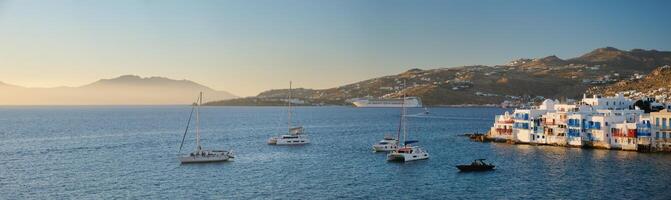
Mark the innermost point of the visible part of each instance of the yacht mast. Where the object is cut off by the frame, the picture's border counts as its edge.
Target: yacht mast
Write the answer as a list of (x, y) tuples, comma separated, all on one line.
[(200, 101)]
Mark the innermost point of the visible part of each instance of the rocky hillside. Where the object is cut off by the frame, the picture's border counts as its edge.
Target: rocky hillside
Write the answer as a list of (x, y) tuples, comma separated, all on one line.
[(519, 81), (657, 84)]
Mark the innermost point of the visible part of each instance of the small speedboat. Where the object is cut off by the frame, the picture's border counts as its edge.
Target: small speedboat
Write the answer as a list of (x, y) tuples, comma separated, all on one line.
[(476, 165)]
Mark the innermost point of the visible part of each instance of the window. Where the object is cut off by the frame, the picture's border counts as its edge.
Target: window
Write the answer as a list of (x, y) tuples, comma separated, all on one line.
[(656, 134)]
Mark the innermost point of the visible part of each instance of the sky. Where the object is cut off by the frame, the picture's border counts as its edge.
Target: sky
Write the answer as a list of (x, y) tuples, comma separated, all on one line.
[(249, 46)]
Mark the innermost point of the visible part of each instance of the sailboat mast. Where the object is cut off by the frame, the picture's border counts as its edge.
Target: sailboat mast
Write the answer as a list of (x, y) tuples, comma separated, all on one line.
[(403, 121), (289, 122), (200, 101)]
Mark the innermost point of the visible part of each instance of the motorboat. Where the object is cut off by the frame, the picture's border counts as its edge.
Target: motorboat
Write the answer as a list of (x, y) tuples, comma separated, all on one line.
[(476, 165)]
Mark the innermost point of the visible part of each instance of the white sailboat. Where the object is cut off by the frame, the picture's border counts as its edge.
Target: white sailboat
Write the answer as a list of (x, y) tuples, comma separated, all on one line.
[(200, 155), (295, 135), (407, 152)]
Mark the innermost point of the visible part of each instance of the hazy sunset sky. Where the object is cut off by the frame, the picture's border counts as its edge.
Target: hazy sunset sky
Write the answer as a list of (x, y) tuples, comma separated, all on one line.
[(245, 47)]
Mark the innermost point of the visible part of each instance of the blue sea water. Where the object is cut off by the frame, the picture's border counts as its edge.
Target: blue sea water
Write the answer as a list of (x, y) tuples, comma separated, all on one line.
[(92, 152)]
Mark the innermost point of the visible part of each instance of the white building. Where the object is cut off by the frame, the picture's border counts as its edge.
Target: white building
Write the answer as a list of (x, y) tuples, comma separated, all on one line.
[(618, 102), (610, 123), (661, 130), (503, 127)]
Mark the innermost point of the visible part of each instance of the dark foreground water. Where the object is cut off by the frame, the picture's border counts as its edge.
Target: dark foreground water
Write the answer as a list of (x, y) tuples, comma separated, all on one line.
[(131, 152)]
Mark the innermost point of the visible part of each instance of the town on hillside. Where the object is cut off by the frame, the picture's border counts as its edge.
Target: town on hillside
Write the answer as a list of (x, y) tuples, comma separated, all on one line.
[(519, 83), (614, 122)]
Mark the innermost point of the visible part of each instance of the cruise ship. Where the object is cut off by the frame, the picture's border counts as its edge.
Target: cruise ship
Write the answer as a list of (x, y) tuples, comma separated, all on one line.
[(410, 102)]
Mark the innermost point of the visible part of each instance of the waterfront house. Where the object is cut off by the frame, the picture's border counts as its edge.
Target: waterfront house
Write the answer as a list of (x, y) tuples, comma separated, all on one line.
[(503, 127), (661, 130), (527, 124), (554, 127), (644, 133), (624, 136), (600, 122)]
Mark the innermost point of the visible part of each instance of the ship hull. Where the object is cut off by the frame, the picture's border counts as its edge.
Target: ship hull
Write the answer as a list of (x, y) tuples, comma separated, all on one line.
[(390, 103)]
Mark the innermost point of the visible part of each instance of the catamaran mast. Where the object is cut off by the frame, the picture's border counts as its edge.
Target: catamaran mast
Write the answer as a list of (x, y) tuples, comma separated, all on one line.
[(403, 121), (200, 101), (289, 122)]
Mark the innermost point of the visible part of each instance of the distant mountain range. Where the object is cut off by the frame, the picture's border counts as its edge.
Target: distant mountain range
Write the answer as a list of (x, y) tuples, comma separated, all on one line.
[(123, 90), (520, 80)]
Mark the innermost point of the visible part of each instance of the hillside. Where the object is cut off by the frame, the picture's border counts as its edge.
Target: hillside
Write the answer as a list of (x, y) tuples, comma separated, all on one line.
[(519, 81), (123, 90), (657, 84)]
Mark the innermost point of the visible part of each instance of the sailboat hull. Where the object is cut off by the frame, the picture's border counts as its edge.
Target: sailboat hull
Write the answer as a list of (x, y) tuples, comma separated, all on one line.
[(206, 156), (186, 160)]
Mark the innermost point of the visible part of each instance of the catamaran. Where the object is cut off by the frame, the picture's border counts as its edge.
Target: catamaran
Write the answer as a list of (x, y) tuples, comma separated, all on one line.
[(200, 155), (407, 152), (295, 134)]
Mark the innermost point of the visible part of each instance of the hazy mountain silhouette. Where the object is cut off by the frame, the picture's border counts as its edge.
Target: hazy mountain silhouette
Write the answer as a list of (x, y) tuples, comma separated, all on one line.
[(123, 90)]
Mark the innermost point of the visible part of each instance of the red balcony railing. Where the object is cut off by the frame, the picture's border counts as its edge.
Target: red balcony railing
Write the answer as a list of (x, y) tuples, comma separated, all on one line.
[(503, 131)]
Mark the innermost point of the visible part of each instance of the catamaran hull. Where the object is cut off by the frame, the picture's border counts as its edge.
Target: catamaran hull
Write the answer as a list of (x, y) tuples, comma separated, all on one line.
[(406, 157), (410, 102), (292, 142)]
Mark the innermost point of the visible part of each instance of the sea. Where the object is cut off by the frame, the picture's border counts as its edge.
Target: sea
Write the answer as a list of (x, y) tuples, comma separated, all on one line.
[(130, 152)]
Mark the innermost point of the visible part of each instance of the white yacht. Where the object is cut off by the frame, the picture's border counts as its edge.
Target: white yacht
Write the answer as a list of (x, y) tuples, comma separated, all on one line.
[(295, 135), (200, 155), (389, 143), (407, 152)]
